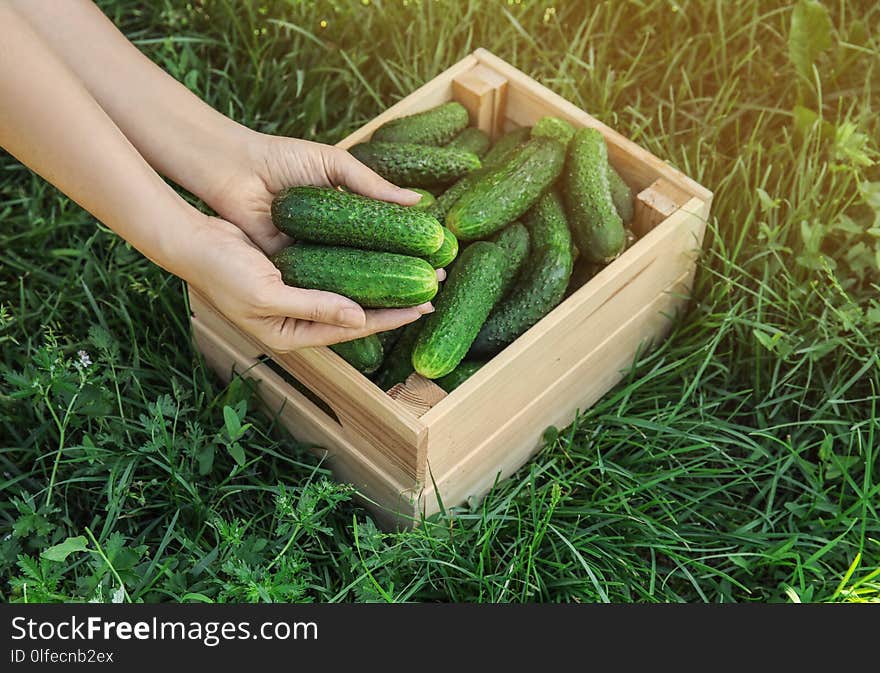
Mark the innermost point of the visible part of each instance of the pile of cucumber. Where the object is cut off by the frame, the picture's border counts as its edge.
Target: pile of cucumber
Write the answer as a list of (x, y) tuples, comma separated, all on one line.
[(520, 237)]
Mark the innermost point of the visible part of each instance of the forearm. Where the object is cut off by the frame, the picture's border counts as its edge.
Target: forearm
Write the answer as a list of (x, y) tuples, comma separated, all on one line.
[(49, 121), (179, 135)]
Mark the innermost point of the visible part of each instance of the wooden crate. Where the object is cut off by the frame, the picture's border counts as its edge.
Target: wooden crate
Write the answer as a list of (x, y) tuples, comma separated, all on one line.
[(411, 449)]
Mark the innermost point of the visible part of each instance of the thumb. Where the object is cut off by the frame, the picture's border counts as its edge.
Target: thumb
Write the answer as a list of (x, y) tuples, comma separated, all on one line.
[(317, 306), (361, 179)]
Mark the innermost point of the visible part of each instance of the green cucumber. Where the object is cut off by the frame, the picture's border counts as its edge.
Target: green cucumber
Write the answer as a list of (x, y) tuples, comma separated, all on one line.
[(470, 292), (436, 126), (595, 224), (389, 338), (504, 193), (459, 375), (372, 279), (398, 362), (622, 196), (541, 284), (447, 252), (417, 165), (426, 201), (471, 139), (554, 127), (505, 145), (364, 354), (329, 216), (441, 207), (514, 241), (497, 155)]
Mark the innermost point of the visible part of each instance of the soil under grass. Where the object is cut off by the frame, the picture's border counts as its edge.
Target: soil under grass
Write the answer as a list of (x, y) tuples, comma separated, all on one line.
[(739, 462)]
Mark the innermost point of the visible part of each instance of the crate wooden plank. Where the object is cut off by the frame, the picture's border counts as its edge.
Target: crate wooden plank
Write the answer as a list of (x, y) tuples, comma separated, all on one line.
[(655, 203), (364, 410), (511, 379), (389, 492), (505, 448), (478, 97), (499, 101), (433, 93), (528, 101), (417, 394)]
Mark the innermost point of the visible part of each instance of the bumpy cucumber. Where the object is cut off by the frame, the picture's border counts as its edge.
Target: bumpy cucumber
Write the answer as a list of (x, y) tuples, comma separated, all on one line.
[(459, 375), (554, 127), (504, 193), (506, 144), (389, 338), (329, 216), (372, 279), (541, 284), (621, 194), (470, 292), (398, 362), (364, 354), (427, 198), (497, 155), (597, 228), (471, 139), (447, 252), (417, 165), (436, 126), (514, 241)]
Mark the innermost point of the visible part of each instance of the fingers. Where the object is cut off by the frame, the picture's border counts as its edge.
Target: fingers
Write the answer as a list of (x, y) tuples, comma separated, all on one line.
[(349, 171), (316, 306), (441, 274), (304, 334)]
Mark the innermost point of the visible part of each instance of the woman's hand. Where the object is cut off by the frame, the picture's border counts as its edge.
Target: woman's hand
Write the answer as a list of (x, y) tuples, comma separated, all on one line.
[(236, 277), (273, 163)]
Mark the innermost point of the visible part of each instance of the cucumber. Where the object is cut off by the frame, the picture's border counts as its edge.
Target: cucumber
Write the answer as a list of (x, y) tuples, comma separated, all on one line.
[(503, 194), (329, 216), (622, 196), (436, 126), (364, 354), (426, 201), (459, 375), (447, 252), (506, 144), (595, 224), (470, 292), (471, 139), (389, 338), (417, 165), (498, 154), (398, 363), (514, 241), (541, 284), (441, 207), (372, 279), (554, 127)]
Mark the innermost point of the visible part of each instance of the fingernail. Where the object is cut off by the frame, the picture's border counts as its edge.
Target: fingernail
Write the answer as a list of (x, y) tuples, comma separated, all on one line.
[(353, 317), (441, 274), (426, 308)]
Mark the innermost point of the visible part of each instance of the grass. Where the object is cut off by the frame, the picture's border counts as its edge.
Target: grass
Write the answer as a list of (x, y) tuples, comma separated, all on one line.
[(738, 462)]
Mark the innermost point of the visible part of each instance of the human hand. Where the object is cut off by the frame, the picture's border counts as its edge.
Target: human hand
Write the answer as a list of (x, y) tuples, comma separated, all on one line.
[(235, 276), (274, 163)]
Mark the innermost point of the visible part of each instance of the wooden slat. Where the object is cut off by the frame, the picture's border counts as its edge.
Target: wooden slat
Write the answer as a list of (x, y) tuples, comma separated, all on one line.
[(499, 101), (528, 101), (417, 394), (478, 96), (388, 493), (431, 94), (366, 413), (655, 203), (544, 354), (503, 448)]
